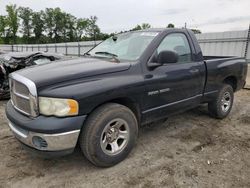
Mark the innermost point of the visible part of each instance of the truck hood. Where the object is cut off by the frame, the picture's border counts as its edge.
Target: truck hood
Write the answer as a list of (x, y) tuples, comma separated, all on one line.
[(61, 71)]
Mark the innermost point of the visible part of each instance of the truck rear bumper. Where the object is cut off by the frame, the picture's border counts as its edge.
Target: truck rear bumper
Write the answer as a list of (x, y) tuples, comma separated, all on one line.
[(47, 134)]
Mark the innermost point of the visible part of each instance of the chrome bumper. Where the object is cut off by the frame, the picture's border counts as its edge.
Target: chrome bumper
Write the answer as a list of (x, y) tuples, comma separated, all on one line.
[(46, 142)]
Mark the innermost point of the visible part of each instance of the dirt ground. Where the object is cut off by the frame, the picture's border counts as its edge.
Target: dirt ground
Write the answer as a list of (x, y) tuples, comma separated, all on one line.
[(187, 150)]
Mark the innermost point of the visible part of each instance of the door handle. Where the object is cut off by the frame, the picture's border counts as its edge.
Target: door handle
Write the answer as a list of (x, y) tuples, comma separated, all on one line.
[(193, 71), (148, 76)]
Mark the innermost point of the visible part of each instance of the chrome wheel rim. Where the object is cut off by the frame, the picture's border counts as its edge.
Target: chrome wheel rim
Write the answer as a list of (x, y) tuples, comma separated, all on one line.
[(115, 137), (226, 102)]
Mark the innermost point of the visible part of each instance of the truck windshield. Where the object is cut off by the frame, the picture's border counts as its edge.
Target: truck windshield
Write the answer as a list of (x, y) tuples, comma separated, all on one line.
[(127, 46)]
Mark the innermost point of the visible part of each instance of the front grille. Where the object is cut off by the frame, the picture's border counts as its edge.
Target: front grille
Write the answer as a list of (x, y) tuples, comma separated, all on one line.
[(21, 97), (20, 88), (21, 103)]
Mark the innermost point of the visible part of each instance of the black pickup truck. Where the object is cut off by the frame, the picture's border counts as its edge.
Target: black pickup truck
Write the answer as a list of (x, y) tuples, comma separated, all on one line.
[(99, 101)]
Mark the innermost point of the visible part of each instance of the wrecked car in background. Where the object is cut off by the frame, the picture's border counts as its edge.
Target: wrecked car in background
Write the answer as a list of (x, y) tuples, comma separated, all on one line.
[(2, 52), (13, 61)]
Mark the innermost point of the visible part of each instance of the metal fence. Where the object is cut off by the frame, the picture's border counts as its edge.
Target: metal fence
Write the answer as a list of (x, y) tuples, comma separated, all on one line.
[(70, 48), (230, 43)]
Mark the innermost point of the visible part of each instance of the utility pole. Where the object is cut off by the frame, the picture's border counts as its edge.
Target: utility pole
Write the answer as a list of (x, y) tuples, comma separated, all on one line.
[(185, 25)]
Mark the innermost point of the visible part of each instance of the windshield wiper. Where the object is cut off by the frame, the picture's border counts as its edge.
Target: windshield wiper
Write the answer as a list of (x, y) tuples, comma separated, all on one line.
[(87, 53), (114, 56), (107, 53)]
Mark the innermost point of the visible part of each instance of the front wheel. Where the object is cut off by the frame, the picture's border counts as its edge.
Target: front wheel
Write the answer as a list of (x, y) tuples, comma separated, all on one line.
[(109, 135), (222, 105)]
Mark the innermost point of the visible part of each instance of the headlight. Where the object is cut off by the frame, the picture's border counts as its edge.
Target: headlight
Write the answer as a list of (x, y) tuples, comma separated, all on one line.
[(58, 107)]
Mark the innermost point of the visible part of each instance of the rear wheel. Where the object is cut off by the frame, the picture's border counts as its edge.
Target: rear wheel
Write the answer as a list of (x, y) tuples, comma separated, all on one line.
[(222, 105), (109, 135)]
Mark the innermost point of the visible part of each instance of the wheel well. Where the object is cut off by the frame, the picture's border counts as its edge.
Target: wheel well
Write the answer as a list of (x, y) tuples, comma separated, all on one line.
[(231, 80), (133, 106), (129, 103)]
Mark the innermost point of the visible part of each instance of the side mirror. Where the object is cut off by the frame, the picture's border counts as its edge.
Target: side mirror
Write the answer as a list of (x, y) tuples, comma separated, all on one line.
[(165, 57)]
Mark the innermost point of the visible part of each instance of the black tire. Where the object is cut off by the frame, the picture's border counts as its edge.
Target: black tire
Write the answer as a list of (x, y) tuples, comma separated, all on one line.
[(93, 133), (217, 108)]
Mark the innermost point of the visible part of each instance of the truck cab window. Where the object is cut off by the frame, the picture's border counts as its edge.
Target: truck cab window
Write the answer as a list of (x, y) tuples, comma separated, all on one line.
[(127, 46), (178, 43)]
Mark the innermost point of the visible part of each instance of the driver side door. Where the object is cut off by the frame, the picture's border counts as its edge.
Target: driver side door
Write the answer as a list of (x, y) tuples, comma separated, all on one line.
[(174, 87)]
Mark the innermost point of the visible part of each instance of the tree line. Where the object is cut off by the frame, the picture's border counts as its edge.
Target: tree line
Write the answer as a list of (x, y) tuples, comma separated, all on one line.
[(147, 26), (22, 25)]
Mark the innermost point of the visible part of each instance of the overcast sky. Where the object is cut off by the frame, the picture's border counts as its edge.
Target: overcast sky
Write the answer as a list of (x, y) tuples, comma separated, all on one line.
[(117, 15)]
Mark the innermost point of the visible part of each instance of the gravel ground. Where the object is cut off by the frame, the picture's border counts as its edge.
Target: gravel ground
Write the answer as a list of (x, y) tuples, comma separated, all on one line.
[(187, 150)]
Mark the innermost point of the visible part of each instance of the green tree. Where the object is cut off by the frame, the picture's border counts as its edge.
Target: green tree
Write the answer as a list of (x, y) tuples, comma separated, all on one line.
[(92, 29), (196, 31), (25, 14), (136, 28), (68, 27), (59, 18), (12, 21), (59, 25), (145, 26), (38, 25), (51, 25), (5, 34), (170, 25), (142, 26), (81, 27), (64, 27), (3, 25), (49, 22), (104, 36), (70, 24)]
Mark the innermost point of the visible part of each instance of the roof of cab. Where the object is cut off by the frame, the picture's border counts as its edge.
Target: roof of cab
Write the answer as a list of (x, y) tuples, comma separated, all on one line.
[(161, 29)]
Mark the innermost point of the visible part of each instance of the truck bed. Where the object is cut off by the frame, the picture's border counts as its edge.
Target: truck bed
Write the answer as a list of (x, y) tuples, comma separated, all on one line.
[(220, 67)]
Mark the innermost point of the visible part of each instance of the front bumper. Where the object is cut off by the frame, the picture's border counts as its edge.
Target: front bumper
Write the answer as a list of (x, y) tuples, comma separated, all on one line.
[(45, 133), (46, 142)]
